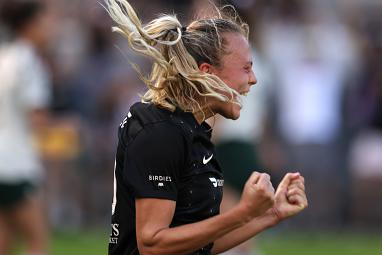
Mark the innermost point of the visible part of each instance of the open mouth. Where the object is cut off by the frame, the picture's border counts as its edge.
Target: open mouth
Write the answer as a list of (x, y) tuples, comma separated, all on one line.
[(244, 93), (238, 98)]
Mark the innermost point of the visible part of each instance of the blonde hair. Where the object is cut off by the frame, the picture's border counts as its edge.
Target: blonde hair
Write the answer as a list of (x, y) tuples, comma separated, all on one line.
[(177, 52)]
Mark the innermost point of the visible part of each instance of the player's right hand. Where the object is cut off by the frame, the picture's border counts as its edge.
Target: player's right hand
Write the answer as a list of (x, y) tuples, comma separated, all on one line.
[(258, 195)]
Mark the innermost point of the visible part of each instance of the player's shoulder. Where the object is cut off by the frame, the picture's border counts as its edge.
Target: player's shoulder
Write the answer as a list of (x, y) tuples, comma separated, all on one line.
[(149, 113), (151, 121)]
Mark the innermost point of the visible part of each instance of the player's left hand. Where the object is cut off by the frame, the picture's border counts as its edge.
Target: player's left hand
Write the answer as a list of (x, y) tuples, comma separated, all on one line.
[(290, 197)]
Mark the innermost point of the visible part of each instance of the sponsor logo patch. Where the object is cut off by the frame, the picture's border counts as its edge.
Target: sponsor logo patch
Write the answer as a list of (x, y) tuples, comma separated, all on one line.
[(217, 182), (159, 181), (114, 234)]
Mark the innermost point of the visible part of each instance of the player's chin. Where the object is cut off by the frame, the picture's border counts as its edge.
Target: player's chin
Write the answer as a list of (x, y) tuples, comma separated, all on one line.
[(233, 112), (235, 115)]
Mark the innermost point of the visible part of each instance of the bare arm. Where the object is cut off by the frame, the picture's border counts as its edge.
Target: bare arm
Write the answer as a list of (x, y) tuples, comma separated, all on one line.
[(290, 199), (154, 236), (244, 233)]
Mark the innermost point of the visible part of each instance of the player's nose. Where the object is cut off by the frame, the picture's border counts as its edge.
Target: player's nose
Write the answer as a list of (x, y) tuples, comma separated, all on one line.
[(252, 78)]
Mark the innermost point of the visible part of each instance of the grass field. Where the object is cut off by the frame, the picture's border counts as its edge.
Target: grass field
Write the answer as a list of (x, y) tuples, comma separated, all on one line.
[(285, 243), (321, 244)]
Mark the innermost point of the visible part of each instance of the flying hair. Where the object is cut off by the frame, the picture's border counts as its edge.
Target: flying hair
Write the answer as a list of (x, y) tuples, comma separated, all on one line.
[(177, 51)]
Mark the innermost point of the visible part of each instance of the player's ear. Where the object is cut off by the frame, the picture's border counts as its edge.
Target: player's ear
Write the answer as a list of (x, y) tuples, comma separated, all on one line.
[(205, 67)]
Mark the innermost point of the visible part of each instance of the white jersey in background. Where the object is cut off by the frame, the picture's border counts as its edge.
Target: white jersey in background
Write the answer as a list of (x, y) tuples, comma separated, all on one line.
[(24, 86)]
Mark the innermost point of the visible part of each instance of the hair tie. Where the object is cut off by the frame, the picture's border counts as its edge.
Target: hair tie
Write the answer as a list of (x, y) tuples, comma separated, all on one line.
[(183, 29)]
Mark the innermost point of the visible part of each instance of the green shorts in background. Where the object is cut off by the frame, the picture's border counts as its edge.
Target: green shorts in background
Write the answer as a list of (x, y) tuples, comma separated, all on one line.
[(13, 193), (238, 160)]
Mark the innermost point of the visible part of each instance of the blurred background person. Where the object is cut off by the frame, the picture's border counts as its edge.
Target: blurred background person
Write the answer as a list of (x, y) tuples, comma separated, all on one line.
[(313, 56), (24, 96)]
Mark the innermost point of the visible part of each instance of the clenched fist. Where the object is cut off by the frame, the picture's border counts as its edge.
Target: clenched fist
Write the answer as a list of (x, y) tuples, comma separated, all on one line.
[(290, 197), (258, 195)]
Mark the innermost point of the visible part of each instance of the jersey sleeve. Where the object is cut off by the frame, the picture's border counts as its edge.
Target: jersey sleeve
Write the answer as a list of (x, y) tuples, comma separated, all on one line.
[(154, 160)]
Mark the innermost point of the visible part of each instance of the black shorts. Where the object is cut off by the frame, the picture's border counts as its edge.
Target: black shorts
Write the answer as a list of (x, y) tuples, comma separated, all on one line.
[(13, 193)]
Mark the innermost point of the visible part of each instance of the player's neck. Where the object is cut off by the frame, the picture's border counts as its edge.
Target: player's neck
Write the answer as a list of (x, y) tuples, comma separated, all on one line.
[(203, 114)]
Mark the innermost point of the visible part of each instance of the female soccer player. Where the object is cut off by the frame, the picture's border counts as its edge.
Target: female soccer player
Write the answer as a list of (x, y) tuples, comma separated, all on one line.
[(168, 183)]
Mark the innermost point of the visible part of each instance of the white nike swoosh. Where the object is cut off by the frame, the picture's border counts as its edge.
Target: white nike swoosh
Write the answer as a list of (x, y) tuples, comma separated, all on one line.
[(205, 161)]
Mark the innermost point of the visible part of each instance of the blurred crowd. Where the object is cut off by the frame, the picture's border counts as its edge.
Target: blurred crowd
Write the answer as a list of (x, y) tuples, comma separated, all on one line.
[(317, 107)]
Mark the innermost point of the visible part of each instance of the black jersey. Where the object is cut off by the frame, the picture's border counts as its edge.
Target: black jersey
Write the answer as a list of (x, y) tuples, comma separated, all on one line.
[(166, 155)]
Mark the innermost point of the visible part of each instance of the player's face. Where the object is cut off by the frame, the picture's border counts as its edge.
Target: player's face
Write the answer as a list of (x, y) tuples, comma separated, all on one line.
[(236, 71)]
